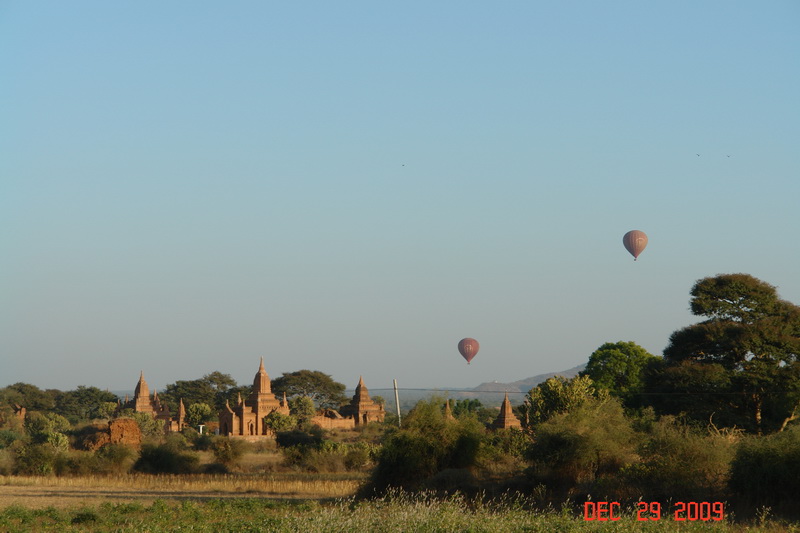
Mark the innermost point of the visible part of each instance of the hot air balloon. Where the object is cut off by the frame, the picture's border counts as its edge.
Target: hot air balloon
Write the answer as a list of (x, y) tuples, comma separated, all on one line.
[(468, 348), (635, 242)]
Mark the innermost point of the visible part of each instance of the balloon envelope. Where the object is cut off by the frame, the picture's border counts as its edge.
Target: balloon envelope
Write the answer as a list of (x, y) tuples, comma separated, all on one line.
[(635, 242), (468, 348)]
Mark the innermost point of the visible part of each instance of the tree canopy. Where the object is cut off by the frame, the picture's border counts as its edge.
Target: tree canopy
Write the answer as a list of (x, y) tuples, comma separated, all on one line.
[(84, 403), (211, 390), (320, 387), (750, 343), (558, 395), (619, 368)]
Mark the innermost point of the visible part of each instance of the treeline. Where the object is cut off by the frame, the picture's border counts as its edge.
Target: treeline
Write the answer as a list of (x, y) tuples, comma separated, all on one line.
[(714, 419)]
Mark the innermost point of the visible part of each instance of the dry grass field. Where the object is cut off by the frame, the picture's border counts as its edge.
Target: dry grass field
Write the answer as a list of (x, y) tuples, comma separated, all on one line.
[(63, 492)]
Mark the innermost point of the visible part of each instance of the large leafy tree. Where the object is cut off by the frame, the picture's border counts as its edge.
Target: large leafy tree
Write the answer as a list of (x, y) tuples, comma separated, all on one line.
[(83, 403), (558, 395), (211, 390), (199, 413), (619, 367), (313, 384), (29, 396), (749, 342)]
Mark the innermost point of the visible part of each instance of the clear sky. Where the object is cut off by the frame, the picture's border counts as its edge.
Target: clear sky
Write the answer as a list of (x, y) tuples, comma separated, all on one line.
[(352, 187)]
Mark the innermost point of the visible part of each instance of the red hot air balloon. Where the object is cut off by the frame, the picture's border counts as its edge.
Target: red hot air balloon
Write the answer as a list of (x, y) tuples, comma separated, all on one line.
[(634, 242), (468, 348)]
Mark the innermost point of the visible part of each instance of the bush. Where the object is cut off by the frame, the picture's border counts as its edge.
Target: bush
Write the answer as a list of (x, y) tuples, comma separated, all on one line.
[(151, 428), (278, 422), (165, 459), (36, 459), (766, 470), (680, 462), (503, 450), (287, 439), (427, 445), (357, 456), (116, 458), (572, 451), (8, 437), (7, 462), (203, 442), (228, 451)]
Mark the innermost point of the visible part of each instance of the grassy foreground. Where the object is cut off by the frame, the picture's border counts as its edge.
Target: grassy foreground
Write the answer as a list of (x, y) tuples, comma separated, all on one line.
[(397, 512)]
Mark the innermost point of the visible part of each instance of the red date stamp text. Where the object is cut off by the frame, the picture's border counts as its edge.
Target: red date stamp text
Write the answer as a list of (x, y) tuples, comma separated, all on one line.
[(652, 511)]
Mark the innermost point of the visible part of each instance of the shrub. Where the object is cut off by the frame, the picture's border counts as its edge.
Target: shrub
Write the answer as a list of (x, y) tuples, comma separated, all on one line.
[(165, 459), (572, 450), (7, 462), (36, 459), (150, 427), (278, 422), (203, 442), (115, 458), (503, 450), (680, 462), (8, 437), (427, 445), (357, 456), (766, 470), (287, 439), (228, 451)]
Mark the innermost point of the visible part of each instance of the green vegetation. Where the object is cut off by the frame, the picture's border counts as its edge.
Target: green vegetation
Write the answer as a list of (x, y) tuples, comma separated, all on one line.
[(212, 390), (422, 512), (714, 420), (320, 387), (559, 395), (747, 348), (619, 368)]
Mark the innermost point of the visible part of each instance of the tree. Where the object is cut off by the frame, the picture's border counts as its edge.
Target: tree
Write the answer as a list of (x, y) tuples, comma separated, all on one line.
[(754, 338), (468, 405), (474, 407), (46, 427), (29, 396), (321, 388), (619, 368), (302, 408), (278, 422), (198, 413), (211, 390), (558, 395), (83, 403), (698, 390), (151, 428)]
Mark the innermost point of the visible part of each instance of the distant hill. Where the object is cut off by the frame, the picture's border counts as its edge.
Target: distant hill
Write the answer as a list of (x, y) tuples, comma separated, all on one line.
[(524, 385)]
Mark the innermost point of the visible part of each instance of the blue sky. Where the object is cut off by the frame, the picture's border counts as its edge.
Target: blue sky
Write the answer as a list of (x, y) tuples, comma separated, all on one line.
[(353, 187)]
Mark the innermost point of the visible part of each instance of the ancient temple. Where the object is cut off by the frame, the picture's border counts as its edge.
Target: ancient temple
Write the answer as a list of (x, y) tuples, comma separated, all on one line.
[(246, 418), (448, 413), (143, 402), (362, 409), (506, 418)]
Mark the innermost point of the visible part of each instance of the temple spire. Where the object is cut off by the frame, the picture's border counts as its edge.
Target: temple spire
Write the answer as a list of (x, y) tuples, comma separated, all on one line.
[(261, 382), (506, 418), (362, 394), (448, 413)]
